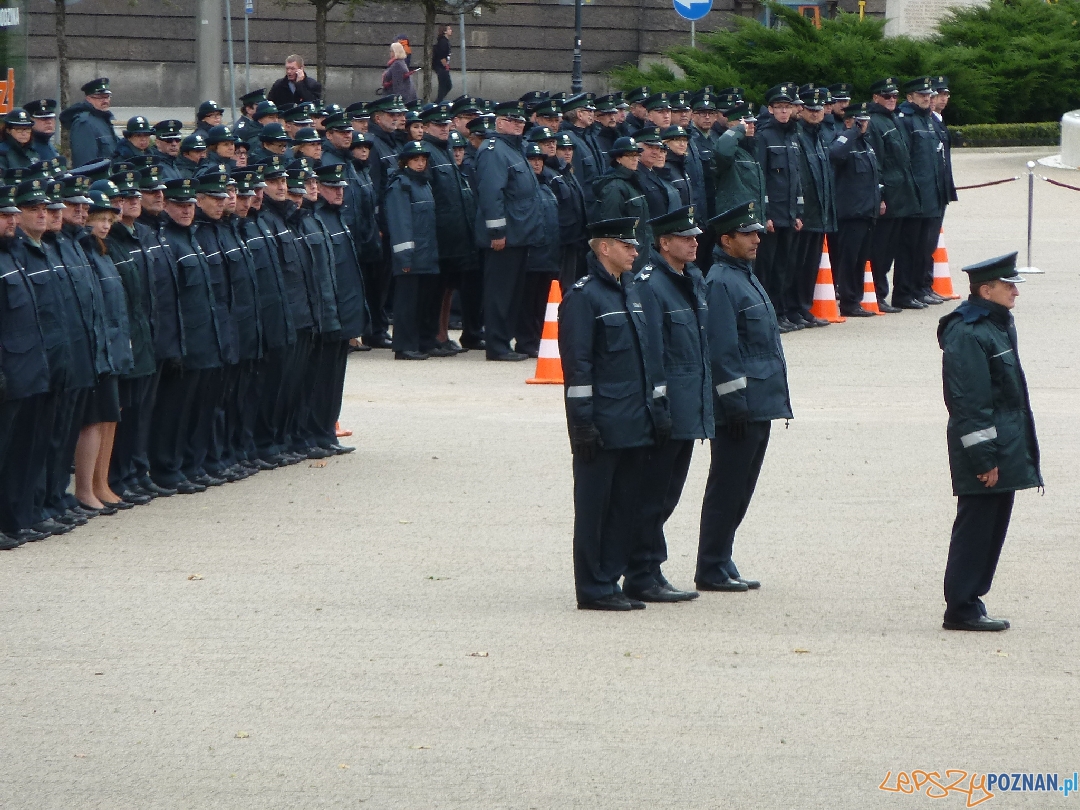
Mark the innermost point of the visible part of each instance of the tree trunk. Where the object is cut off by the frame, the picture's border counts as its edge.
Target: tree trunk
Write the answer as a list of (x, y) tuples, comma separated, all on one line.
[(62, 69), (321, 8), (430, 9)]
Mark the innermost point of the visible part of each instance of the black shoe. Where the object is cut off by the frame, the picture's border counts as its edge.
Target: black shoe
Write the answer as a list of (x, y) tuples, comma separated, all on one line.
[(49, 526), (410, 356), (440, 351), (379, 342), (208, 480), (810, 321), (752, 584), (615, 601), (358, 347), (512, 357), (70, 518), (135, 498), (341, 449), (453, 346), (886, 307), (190, 487), (92, 512), (86, 511), (857, 312), (983, 623), (262, 464), (786, 326), (930, 299), (654, 593), (120, 504), (27, 536), (7, 543), (687, 596), (318, 452), (467, 344), (157, 490), (910, 303), (727, 585)]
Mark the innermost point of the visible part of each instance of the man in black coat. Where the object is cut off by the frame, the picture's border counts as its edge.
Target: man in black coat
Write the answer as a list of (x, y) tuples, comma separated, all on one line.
[(616, 408), (296, 86)]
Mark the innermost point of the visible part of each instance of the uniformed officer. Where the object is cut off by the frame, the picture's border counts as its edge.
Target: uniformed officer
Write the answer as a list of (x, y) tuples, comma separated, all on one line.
[(544, 257), (273, 141), (607, 125), (660, 196), (993, 451), (507, 224), (737, 177), (636, 116), (166, 148), (579, 114), (573, 216), (43, 113), (749, 375), (221, 145), (192, 155), (858, 206), (308, 144), (899, 193), (620, 193), (616, 408), (24, 381), (938, 104), (244, 126), (674, 285), (16, 149), (136, 140), (208, 115), (90, 124), (778, 155), (266, 112), (919, 235)]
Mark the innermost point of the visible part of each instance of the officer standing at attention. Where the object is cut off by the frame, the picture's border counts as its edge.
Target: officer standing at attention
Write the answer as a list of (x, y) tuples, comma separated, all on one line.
[(616, 408), (15, 149), (993, 451), (166, 147), (637, 116), (507, 223), (209, 115), (579, 113), (43, 113), (244, 127), (675, 287), (90, 124), (136, 140), (750, 378)]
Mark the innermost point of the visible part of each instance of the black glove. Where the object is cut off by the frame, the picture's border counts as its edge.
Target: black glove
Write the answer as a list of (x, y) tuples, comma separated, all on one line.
[(585, 441), (736, 427), (663, 431)]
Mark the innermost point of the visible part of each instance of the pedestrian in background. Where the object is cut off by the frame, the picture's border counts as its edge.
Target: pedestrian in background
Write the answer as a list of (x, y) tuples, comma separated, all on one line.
[(296, 86), (397, 78), (440, 62)]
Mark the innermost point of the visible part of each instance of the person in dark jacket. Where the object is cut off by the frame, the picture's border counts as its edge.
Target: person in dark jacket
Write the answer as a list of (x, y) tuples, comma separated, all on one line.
[(573, 215), (673, 285), (660, 196), (579, 114), (136, 140), (166, 148), (749, 375), (819, 209), (507, 225), (620, 194), (684, 163), (993, 451), (919, 235), (543, 266), (414, 249), (24, 381), (440, 63), (43, 113), (858, 206), (616, 409), (295, 87), (899, 193), (244, 126), (209, 114), (778, 154), (89, 123), (737, 175), (16, 149), (192, 156)]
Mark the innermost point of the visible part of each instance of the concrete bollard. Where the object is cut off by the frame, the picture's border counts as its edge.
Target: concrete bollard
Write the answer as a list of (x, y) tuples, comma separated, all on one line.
[(1070, 138)]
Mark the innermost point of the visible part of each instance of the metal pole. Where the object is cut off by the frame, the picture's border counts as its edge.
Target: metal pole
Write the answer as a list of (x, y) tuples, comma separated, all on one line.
[(1030, 270), (247, 55), (209, 18), (232, 64), (575, 79), (692, 24), (464, 72)]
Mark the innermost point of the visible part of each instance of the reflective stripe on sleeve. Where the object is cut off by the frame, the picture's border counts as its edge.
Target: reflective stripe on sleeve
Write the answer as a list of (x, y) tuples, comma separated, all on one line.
[(495, 223), (576, 391), (841, 139), (978, 436), (659, 391), (731, 386), (400, 246)]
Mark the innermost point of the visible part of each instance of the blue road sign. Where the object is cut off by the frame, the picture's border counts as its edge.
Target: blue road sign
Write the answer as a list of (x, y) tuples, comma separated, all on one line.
[(692, 9), (249, 7)]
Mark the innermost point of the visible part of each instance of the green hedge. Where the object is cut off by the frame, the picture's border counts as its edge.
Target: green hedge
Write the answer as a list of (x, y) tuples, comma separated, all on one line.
[(1042, 134)]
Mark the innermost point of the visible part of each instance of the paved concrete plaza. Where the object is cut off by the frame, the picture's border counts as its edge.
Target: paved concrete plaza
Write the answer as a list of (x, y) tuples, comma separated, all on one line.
[(397, 629)]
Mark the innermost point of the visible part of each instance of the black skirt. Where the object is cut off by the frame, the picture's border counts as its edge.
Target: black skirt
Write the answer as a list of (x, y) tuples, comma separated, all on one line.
[(103, 404)]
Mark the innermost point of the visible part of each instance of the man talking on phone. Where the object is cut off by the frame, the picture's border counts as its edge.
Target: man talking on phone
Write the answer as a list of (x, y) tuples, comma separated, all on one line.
[(296, 87)]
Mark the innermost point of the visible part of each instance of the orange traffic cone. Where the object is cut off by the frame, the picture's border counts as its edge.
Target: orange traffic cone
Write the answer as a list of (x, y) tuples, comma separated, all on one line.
[(548, 364), (869, 292), (824, 305), (942, 277), (340, 432)]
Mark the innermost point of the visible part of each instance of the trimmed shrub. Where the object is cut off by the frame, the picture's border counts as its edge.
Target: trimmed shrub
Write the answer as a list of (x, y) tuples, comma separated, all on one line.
[(1040, 134)]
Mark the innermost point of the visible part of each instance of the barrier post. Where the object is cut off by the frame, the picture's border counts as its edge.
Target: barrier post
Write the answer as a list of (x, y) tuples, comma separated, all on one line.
[(1029, 270)]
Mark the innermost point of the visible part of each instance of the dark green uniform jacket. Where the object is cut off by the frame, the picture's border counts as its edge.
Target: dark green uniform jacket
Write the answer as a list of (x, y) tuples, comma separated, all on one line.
[(410, 216), (92, 134), (777, 147), (748, 367), (894, 159), (990, 422), (819, 207), (114, 297), (166, 324), (455, 208), (508, 195), (351, 302), (14, 155), (619, 194), (22, 348), (927, 158), (275, 319), (858, 189), (203, 336), (612, 360), (87, 326), (736, 173), (132, 265), (243, 286)]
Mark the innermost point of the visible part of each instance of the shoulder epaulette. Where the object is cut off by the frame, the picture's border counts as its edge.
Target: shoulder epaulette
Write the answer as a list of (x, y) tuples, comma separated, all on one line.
[(491, 143), (581, 282)]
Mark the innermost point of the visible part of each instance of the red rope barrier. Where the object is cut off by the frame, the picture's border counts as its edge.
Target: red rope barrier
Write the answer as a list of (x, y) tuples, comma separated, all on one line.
[(1057, 183), (991, 183)]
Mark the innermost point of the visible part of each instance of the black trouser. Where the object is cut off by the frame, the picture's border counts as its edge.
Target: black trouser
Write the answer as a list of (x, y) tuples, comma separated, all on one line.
[(292, 388), (733, 474), (445, 84), (504, 287), (932, 234), (44, 471), (854, 240), (573, 265), (911, 258), (774, 264), (417, 298), (242, 431), (883, 248), (268, 395), (468, 279), (329, 389), (606, 504), (377, 277), (173, 415), (71, 408), (201, 425), (132, 432), (662, 484), (977, 536), (534, 299), (220, 454), (805, 265), (24, 445)]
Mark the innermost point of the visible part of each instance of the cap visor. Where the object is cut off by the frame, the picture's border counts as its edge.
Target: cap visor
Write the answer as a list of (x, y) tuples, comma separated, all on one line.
[(633, 242), (80, 200), (56, 206), (10, 209), (751, 228), (695, 231), (1015, 279)]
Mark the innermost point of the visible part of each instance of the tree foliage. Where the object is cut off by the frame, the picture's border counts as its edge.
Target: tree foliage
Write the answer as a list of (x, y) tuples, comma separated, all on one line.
[(1009, 61)]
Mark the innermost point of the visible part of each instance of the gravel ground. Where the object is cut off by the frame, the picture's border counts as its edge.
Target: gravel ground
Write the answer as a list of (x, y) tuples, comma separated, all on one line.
[(397, 629)]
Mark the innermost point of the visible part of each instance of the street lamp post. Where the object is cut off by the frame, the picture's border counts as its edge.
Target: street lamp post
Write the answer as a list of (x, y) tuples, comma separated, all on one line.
[(575, 80)]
